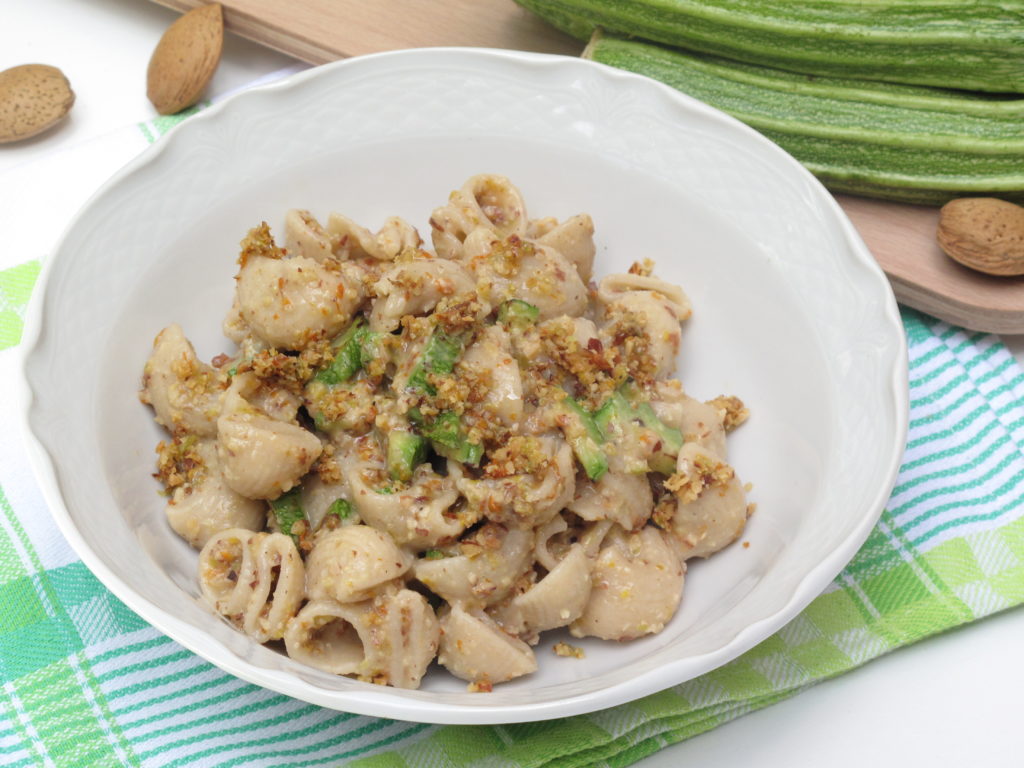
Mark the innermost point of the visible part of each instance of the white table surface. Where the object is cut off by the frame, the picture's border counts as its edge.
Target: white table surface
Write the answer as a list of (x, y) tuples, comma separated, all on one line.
[(952, 700)]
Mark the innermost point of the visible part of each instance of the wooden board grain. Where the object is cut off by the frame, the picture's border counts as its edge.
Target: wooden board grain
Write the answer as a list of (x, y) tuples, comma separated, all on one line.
[(318, 31), (901, 237), (902, 240)]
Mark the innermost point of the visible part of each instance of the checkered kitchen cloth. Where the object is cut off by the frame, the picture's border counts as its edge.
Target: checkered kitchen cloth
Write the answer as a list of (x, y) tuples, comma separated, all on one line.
[(86, 682)]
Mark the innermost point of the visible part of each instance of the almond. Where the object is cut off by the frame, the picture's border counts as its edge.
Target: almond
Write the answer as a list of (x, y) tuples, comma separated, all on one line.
[(185, 59), (984, 234), (33, 97)]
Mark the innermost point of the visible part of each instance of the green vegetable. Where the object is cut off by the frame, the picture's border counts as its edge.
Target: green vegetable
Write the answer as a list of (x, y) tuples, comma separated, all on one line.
[(623, 412), (897, 142), (613, 415), (348, 358), (586, 439), (671, 438), (406, 451), (439, 355), (434, 554), (371, 347), (518, 313), (448, 438), (968, 45), (340, 507), (287, 509)]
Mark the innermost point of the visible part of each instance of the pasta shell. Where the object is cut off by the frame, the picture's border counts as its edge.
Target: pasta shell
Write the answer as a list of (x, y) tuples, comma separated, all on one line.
[(350, 564), (305, 236), (574, 239), (637, 586), (325, 635), (198, 512), (482, 579), (414, 288), (227, 571), (278, 586), (184, 393), (559, 598), (287, 302), (474, 648), (713, 520)]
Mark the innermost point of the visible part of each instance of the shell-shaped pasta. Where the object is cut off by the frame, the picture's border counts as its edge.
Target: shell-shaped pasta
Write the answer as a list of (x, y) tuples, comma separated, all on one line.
[(547, 544), (485, 201), (483, 577), (351, 241), (614, 287), (701, 423), (325, 635), (278, 586), (184, 392), (227, 571), (537, 228), (403, 639), (659, 322), (638, 583), (718, 515), (475, 648), (351, 563), (414, 288), (491, 356), (318, 496), (389, 640), (418, 517), (305, 236), (276, 402), (198, 511), (530, 498), (289, 302), (574, 239), (260, 457), (623, 498), (534, 273), (557, 600)]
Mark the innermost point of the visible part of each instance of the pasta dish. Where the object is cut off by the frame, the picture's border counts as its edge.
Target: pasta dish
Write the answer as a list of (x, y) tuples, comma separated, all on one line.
[(417, 454)]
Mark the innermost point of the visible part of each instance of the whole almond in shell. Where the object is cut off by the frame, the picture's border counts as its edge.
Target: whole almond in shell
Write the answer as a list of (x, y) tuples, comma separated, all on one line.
[(33, 97), (185, 59), (984, 233)]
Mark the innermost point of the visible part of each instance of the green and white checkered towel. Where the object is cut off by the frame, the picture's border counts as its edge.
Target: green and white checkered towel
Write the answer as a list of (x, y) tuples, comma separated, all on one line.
[(86, 682)]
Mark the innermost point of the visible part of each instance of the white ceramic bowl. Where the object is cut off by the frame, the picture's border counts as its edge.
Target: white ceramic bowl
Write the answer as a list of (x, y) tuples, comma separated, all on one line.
[(791, 314)]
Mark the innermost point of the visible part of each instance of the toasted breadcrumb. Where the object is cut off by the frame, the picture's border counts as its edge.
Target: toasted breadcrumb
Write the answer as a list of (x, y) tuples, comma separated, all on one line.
[(570, 651), (259, 242), (643, 268), (732, 410), (703, 472), (179, 464)]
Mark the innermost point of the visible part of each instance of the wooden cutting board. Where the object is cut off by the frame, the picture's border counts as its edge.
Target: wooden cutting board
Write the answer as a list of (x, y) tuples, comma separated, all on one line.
[(901, 237)]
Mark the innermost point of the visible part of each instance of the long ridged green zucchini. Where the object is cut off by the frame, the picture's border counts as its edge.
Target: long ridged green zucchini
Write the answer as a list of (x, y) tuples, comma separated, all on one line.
[(962, 44), (906, 143)]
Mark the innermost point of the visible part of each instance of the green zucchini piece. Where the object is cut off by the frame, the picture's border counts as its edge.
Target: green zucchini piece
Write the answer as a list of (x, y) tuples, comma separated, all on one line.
[(348, 358), (585, 439), (517, 312), (406, 451), (287, 510), (671, 438), (340, 507), (448, 438), (613, 415), (439, 355)]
